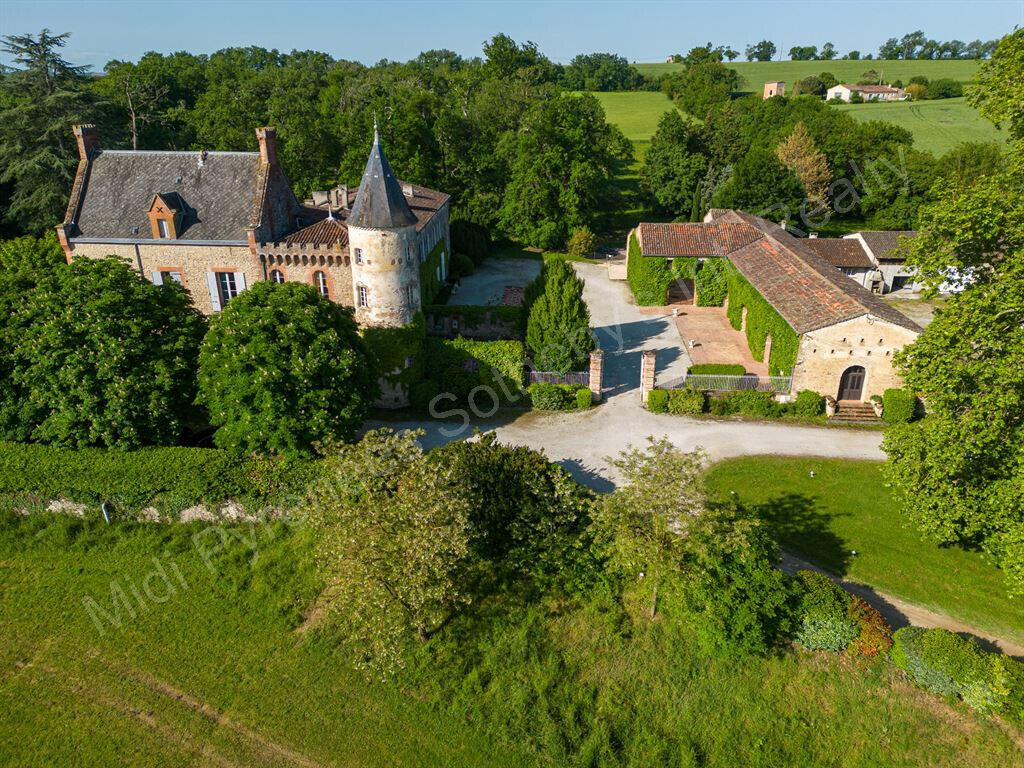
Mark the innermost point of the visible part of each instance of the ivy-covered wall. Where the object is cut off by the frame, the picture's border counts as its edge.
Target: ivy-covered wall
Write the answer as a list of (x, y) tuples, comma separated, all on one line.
[(762, 321), (459, 365), (648, 277), (481, 322), (711, 282), (390, 348), (430, 286)]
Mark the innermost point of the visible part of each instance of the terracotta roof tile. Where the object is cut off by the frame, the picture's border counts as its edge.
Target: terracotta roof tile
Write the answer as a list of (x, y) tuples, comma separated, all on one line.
[(884, 244), (840, 252), (706, 239)]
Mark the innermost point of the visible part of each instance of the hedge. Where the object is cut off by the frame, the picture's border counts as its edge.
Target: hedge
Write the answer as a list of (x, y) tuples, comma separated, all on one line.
[(749, 402), (459, 365), (648, 276), (559, 397), (430, 285), (688, 402), (170, 479), (657, 401), (898, 406), (809, 403), (762, 321), (947, 664), (711, 282), (717, 369), (823, 614)]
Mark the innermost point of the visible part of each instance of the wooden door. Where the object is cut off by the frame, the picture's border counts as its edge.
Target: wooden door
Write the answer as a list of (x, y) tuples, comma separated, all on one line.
[(852, 383)]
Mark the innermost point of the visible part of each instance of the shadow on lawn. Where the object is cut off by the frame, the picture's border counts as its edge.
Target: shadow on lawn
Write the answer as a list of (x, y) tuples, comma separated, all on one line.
[(799, 526)]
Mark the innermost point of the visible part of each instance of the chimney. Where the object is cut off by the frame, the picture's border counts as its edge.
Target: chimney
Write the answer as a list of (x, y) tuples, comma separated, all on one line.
[(88, 139), (268, 144), (812, 235), (407, 190)]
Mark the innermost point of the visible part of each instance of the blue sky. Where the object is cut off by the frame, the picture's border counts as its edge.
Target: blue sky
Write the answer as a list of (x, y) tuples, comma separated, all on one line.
[(370, 30)]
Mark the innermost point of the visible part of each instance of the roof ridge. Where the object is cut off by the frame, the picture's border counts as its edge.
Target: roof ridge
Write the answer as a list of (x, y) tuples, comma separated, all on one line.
[(175, 152)]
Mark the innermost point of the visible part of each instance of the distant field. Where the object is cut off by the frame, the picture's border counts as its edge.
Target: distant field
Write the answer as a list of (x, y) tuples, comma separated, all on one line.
[(937, 125), (756, 73), (635, 112)]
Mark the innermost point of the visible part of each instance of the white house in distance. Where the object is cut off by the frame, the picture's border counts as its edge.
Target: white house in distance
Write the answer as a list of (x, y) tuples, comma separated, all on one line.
[(845, 92)]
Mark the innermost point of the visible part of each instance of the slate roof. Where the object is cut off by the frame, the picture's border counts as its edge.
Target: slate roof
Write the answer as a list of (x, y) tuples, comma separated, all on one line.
[(807, 291), (884, 244), (219, 197), (840, 252), (380, 203), (714, 238)]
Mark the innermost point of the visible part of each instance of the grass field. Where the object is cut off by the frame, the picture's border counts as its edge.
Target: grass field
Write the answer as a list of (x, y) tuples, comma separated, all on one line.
[(937, 126), (211, 672), (846, 507), (756, 73)]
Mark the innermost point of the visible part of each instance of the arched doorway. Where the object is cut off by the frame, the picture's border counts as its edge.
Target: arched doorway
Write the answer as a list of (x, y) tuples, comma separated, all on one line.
[(851, 385)]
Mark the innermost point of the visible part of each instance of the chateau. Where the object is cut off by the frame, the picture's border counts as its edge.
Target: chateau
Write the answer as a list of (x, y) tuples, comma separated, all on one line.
[(215, 222)]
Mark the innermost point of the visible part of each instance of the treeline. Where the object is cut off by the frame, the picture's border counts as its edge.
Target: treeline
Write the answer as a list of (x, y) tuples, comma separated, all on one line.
[(794, 158), (494, 132)]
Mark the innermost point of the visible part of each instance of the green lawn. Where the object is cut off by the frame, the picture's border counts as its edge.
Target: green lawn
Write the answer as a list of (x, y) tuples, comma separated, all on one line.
[(214, 674), (937, 126), (636, 113), (756, 73), (846, 507)]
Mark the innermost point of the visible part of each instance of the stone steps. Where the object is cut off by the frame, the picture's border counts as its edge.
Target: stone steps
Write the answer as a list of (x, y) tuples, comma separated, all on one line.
[(855, 413)]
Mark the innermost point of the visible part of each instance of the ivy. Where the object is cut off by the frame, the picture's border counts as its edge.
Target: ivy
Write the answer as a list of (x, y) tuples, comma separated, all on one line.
[(711, 283), (475, 315), (648, 276), (762, 321), (390, 348), (430, 285), (459, 365)]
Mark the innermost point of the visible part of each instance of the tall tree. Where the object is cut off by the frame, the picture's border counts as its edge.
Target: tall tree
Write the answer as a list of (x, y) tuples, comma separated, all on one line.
[(558, 329), (762, 185), (674, 164), (762, 51), (799, 154)]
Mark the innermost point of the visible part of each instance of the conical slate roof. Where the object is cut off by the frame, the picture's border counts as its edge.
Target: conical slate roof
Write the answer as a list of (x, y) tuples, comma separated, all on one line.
[(380, 203)]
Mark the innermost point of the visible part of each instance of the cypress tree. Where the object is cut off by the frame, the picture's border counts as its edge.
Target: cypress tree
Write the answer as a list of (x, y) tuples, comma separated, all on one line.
[(558, 326)]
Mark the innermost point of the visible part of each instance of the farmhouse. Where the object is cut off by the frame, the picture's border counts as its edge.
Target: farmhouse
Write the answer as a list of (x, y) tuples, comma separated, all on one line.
[(845, 92), (774, 88), (215, 222), (798, 312)]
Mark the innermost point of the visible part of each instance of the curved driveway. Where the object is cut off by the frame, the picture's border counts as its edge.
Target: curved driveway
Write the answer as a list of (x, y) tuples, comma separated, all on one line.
[(582, 441)]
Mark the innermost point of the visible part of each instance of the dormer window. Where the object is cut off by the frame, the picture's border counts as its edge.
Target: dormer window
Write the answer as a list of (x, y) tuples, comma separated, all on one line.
[(165, 213)]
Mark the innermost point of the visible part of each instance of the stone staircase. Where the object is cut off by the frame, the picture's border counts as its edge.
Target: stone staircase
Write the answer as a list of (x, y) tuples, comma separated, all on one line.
[(854, 412)]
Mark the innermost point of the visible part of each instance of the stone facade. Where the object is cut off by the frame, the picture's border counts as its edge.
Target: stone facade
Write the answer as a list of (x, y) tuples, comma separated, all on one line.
[(825, 354), (385, 275)]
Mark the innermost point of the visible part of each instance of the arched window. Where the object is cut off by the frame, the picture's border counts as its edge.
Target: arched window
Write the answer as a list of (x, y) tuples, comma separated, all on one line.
[(276, 276), (320, 281)]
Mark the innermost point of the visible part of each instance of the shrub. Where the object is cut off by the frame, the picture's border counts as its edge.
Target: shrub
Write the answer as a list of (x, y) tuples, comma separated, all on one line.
[(558, 327), (686, 401), (749, 402), (584, 398), (282, 369), (809, 403), (553, 397), (462, 265), (875, 635), (717, 369), (657, 401), (898, 406), (944, 88), (952, 666), (459, 365), (1013, 707), (422, 392), (106, 358), (581, 243), (823, 614)]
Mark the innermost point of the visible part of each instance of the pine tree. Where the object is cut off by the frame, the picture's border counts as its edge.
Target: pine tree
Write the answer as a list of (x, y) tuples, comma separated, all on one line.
[(805, 160), (558, 328)]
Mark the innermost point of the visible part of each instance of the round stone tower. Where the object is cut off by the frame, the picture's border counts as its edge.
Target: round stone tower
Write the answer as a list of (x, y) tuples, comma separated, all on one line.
[(382, 247)]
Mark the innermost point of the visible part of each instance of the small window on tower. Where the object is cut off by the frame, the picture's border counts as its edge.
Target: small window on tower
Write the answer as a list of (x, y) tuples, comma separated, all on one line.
[(320, 281), (410, 294), (364, 299), (359, 255), (276, 276)]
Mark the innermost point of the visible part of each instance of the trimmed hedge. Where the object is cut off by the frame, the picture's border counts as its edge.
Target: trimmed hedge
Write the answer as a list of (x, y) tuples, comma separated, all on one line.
[(470, 238), (430, 285), (898, 406), (762, 321), (558, 397), (808, 403), (459, 365), (657, 401), (717, 369), (689, 402), (823, 613), (952, 666), (874, 633), (711, 283), (749, 402), (170, 479), (648, 276), (474, 315)]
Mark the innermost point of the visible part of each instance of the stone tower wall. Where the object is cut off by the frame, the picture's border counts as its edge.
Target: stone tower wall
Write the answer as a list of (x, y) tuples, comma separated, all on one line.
[(389, 271)]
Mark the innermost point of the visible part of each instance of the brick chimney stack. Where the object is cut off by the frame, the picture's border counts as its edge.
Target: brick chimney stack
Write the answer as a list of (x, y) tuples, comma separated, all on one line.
[(268, 144), (88, 139)]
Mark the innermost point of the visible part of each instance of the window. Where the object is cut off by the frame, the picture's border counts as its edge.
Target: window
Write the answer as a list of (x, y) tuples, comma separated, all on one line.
[(171, 276), (226, 287), (359, 255), (276, 276), (165, 231), (320, 281), (364, 299), (410, 294)]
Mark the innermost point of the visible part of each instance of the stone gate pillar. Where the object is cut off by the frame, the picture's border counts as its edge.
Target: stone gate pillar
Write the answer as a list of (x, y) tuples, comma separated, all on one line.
[(596, 373), (648, 364)]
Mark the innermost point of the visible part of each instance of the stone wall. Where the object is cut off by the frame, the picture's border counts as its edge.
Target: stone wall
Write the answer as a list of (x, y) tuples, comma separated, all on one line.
[(826, 353), (488, 328), (390, 272), (302, 266)]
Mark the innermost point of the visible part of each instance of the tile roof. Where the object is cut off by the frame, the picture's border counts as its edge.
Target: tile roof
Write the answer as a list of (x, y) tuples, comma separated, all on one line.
[(884, 245), (805, 289), (690, 239), (871, 88), (327, 231), (218, 197), (380, 203), (840, 252)]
